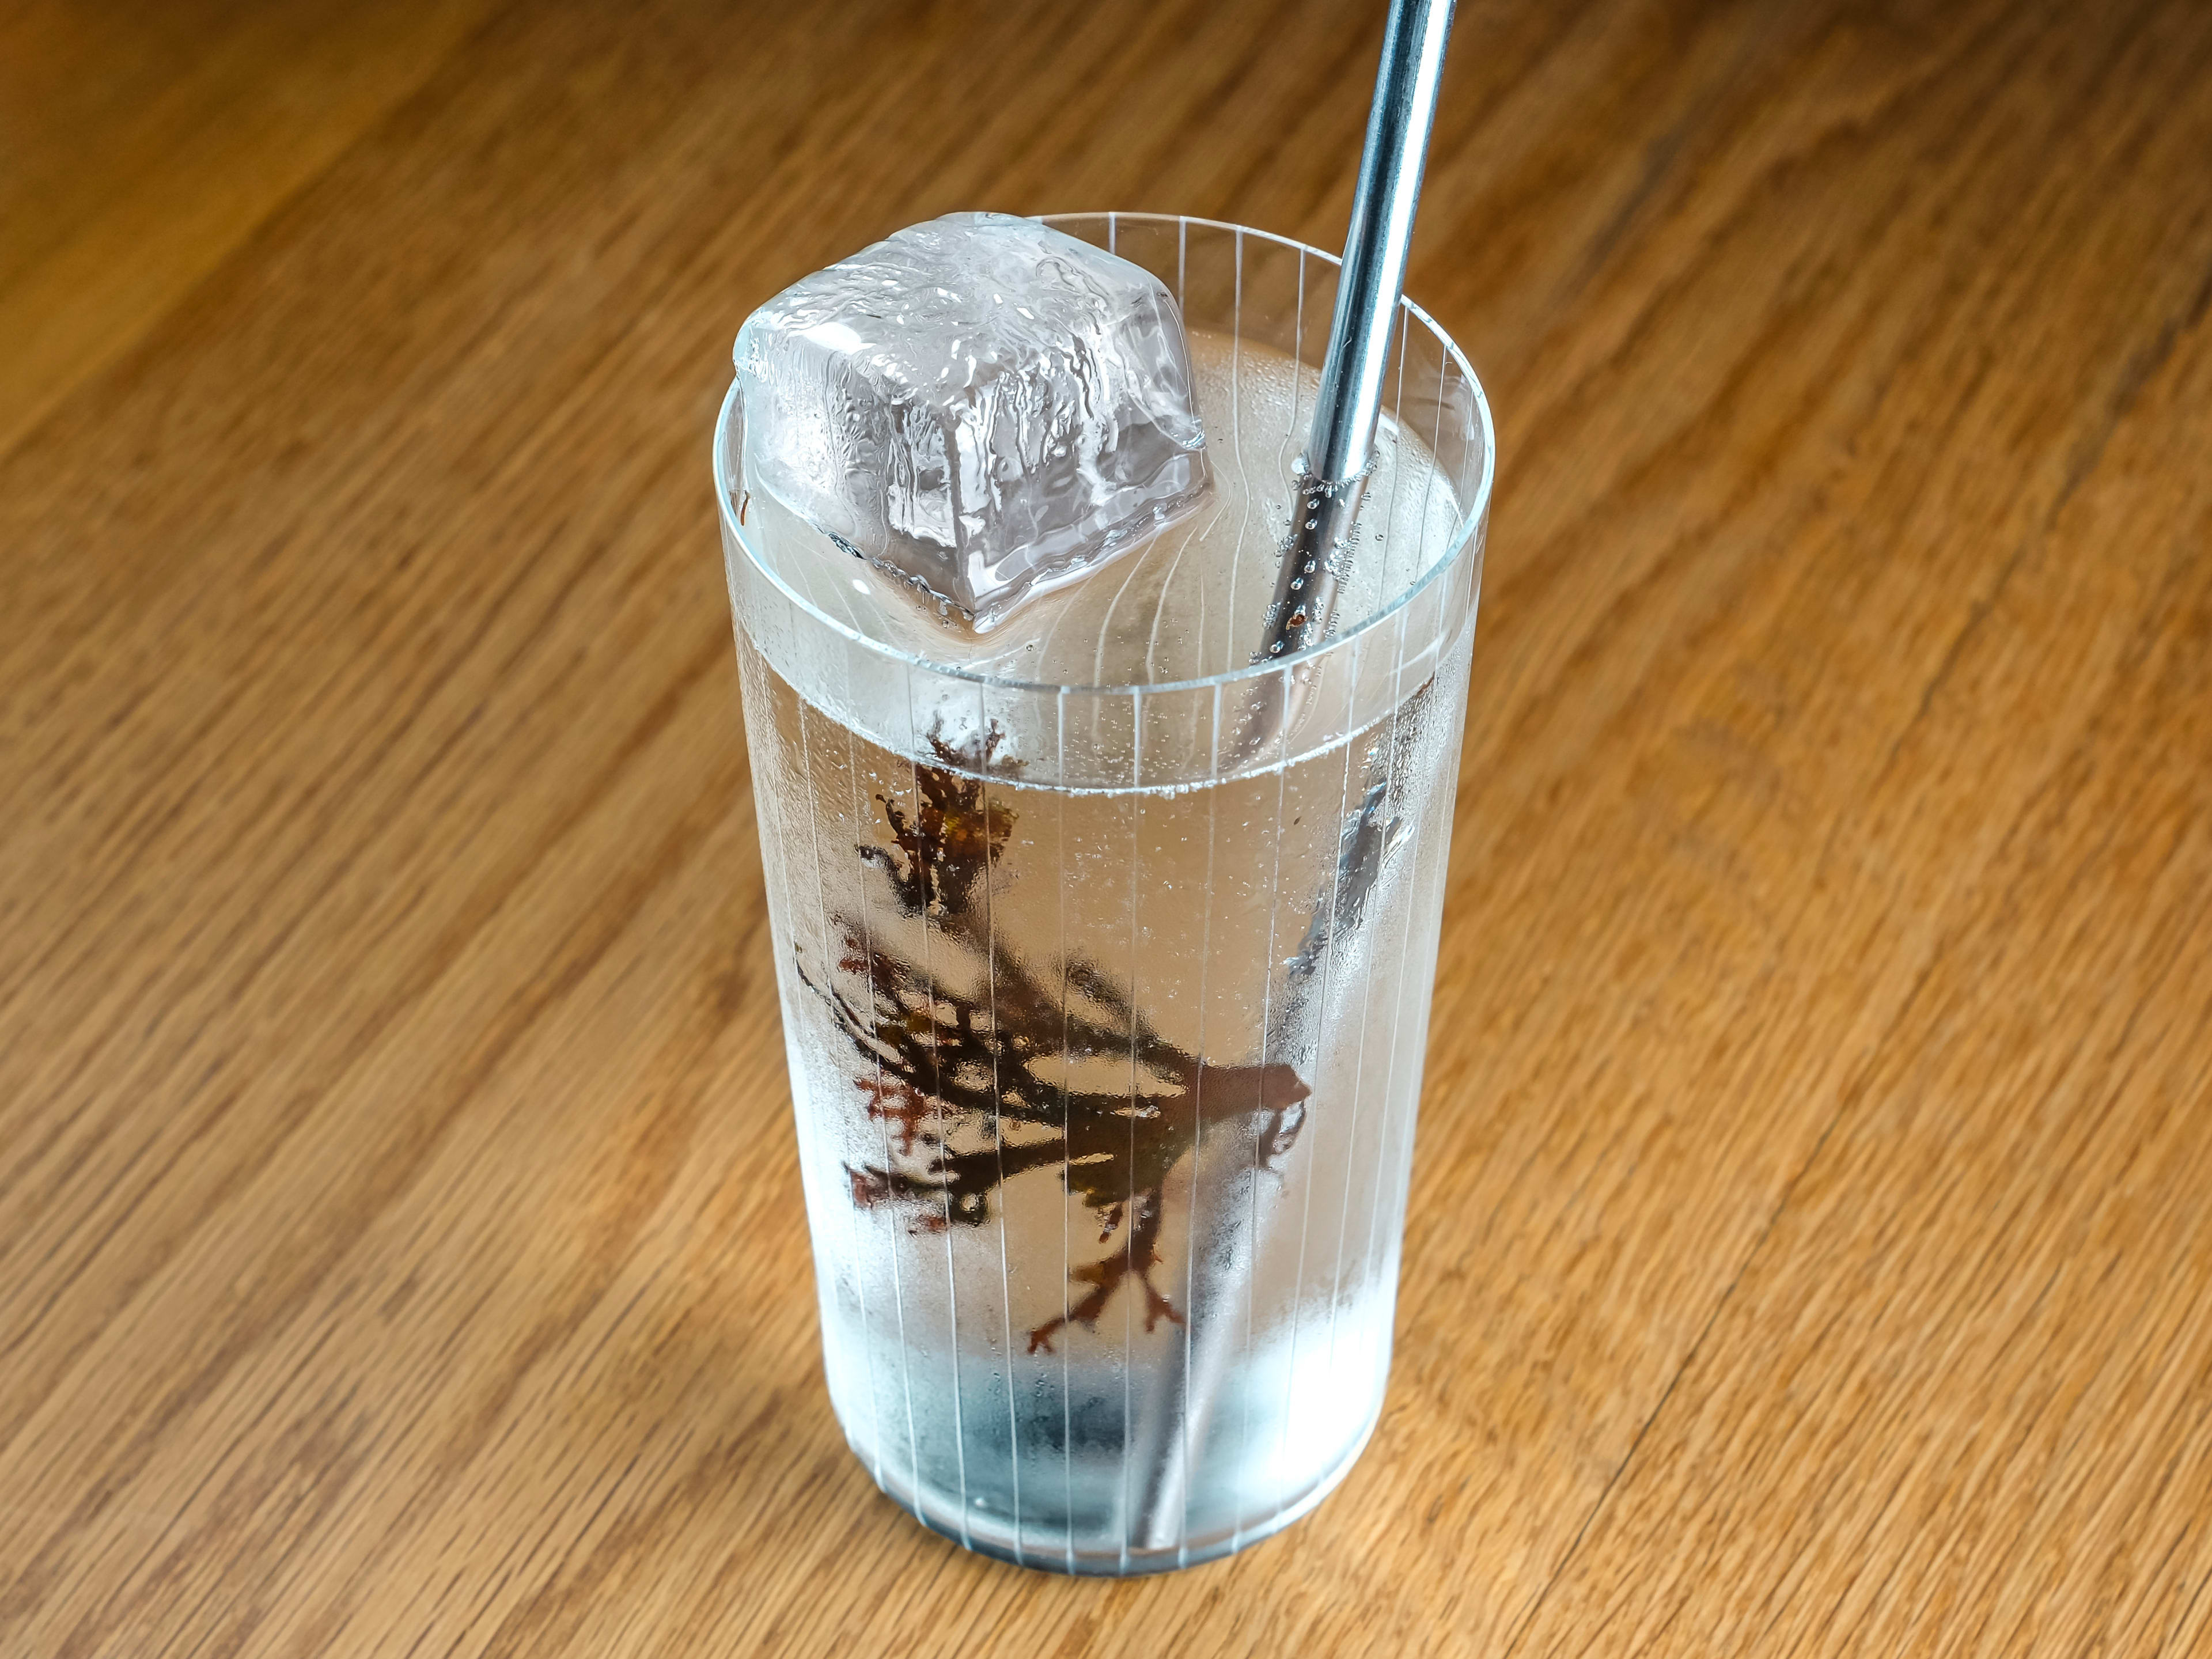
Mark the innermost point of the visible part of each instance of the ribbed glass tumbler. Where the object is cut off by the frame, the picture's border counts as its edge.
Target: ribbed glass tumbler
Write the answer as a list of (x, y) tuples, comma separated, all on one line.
[(1105, 1002)]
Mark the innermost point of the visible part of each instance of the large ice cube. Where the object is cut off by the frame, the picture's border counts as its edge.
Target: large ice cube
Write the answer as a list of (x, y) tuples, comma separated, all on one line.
[(980, 404)]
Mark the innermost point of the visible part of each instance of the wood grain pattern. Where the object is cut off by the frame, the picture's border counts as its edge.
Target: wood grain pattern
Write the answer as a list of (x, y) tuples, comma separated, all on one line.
[(400, 1239), (144, 144)]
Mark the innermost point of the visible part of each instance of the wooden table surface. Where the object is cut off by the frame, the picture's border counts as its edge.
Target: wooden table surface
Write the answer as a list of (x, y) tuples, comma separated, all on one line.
[(401, 1248)]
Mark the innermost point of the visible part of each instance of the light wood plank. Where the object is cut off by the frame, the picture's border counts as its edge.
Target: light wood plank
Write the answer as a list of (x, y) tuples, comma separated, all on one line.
[(145, 144)]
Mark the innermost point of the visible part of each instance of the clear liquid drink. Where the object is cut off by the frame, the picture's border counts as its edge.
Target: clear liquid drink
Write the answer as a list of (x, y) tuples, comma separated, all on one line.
[(1105, 1001)]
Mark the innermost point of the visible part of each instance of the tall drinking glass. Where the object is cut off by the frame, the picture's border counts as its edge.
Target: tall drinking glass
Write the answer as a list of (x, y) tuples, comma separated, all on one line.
[(1104, 993)]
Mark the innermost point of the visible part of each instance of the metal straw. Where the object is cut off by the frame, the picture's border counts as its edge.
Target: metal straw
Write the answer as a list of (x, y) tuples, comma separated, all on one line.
[(1332, 475)]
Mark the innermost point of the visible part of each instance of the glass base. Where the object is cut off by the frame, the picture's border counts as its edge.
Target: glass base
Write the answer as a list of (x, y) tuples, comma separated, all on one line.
[(1120, 1561)]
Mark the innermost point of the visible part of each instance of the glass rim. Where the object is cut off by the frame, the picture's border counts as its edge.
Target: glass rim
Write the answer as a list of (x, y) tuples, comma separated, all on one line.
[(1250, 673)]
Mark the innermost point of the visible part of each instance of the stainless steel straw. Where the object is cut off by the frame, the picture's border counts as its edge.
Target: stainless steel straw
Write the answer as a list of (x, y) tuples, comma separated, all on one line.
[(1332, 475)]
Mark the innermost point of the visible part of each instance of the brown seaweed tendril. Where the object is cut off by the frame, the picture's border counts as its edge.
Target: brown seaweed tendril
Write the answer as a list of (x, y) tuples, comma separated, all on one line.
[(932, 1054)]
